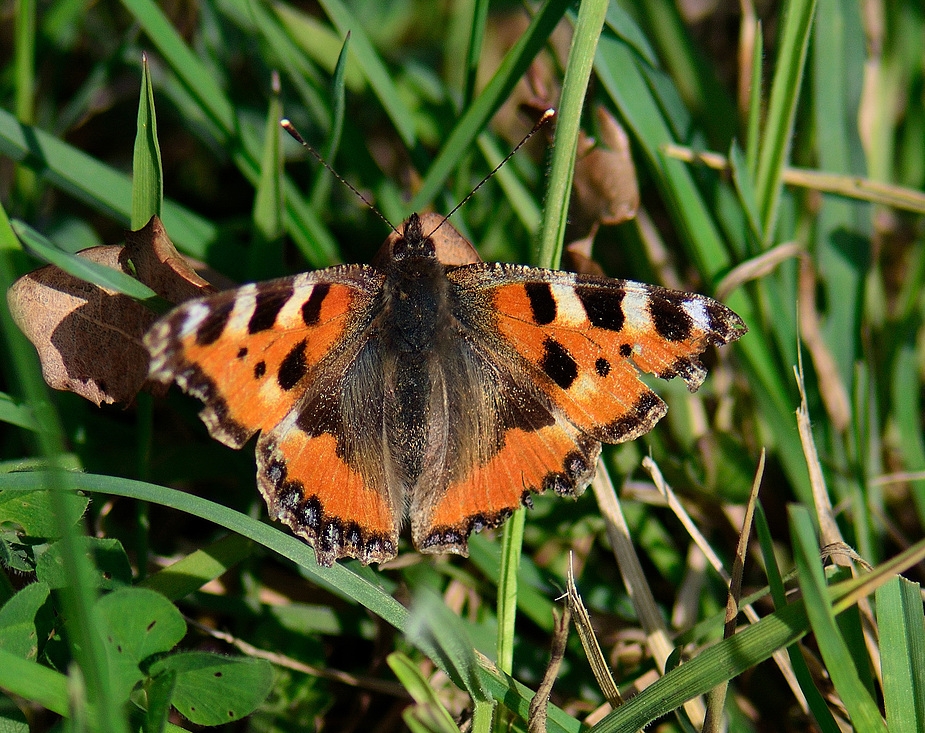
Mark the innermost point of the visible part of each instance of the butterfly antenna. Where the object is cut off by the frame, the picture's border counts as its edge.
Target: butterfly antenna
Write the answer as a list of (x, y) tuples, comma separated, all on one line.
[(544, 118), (290, 128)]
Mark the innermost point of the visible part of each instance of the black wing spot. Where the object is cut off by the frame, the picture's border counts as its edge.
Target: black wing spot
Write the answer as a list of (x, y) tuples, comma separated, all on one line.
[(260, 368), (267, 306), (293, 367), (626, 351), (602, 366), (542, 302), (242, 352), (604, 307), (558, 364), (311, 308), (213, 325), (670, 319)]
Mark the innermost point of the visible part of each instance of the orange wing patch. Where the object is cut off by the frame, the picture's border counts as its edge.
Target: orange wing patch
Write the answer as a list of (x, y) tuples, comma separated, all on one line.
[(246, 352), (309, 487), (555, 457)]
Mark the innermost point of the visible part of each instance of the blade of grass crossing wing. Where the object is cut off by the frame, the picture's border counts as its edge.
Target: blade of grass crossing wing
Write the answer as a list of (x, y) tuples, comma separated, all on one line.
[(835, 653), (902, 650), (147, 173), (340, 579), (785, 90), (84, 637), (578, 71)]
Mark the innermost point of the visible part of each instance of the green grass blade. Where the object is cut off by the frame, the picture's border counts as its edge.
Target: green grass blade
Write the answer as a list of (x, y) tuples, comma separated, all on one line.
[(85, 637), (902, 649), (266, 250), (84, 269), (753, 139), (373, 68), (104, 189), (620, 71), (709, 668), (512, 537), (838, 660), (24, 74), (785, 91), (147, 173), (818, 706), (14, 413), (348, 583), (190, 573), (242, 140), (429, 714), (321, 188)]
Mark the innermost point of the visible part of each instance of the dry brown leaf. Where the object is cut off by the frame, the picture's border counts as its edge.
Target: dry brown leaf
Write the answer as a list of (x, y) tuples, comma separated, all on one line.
[(89, 338), (605, 186), (159, 266)]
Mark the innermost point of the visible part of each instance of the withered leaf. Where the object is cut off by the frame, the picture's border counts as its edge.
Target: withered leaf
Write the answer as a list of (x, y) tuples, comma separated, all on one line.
[(89, 338), (605, 187)]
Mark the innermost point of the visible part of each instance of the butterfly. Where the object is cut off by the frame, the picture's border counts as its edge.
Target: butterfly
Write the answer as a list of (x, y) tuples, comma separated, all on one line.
[(429, 383)]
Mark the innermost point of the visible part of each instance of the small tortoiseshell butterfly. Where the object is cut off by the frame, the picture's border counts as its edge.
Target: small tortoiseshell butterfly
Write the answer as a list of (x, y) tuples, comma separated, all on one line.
[(429, 382)]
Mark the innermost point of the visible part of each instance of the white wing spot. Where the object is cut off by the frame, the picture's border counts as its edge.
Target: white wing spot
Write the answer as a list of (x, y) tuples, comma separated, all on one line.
[(569, 310), (196, 313), (636, 310), (291, 314), (244, 305), (698, 313)]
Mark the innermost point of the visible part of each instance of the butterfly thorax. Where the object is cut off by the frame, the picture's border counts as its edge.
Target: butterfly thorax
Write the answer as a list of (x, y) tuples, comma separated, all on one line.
[(416, 293)]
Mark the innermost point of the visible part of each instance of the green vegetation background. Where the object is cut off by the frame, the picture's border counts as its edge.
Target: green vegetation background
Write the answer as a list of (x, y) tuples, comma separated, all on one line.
[(158, 590)]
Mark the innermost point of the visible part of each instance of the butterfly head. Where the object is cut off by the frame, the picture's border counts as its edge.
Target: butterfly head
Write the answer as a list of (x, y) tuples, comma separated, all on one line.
[(413, 242)]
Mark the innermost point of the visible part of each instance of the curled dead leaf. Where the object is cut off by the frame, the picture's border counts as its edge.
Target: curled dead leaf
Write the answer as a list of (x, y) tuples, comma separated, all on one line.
[(605, 187), (89, 338)]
